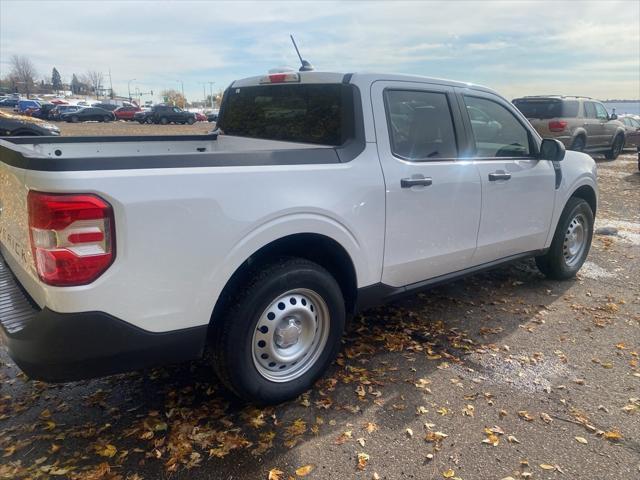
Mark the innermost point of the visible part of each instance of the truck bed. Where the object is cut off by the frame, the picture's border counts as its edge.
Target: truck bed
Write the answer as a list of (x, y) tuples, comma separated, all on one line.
[(135, 152)]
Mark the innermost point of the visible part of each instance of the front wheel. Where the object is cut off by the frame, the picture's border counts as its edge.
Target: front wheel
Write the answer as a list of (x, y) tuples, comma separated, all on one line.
[(616, 148), (571, 241), (164, 120), (191, 121), (281, 331), (107, 118)]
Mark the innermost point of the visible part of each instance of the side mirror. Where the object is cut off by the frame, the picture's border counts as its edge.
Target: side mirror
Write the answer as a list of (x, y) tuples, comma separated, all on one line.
[(552, 150)]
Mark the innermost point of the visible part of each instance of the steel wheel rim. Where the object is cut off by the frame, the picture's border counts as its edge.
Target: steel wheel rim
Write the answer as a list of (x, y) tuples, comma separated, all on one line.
[(290, 335), (575, 240)]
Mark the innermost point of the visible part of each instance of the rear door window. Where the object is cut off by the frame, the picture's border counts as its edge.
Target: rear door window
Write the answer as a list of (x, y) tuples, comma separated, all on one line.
[(497, 132), (589, 110), (420, 125)]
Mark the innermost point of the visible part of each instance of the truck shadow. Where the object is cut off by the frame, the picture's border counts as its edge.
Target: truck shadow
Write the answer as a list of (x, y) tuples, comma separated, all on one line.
[(167, 422)]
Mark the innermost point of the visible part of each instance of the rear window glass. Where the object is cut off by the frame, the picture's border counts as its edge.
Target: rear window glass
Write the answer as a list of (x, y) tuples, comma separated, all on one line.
[(547, 108), (311, 113)]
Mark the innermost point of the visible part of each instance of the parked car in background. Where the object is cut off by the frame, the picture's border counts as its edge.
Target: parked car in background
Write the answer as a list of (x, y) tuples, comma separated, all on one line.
[(88, 114), (632, 130), (43, 112), (9, 102), (23, 105), (581, 123), (19, 125), (60, 109), (212, 116), (200, 117), (165, 114), (126, 112), (106, 106)]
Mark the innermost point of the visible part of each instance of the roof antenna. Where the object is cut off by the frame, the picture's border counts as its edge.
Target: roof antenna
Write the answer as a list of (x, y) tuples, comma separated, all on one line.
[(305, 66)]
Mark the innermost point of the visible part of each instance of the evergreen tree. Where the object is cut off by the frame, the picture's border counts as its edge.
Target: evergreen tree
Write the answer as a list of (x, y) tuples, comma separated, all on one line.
[(56, 79), (75, 85)]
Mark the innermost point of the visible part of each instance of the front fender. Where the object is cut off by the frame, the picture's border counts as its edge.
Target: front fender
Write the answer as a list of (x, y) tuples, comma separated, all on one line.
[(578, 170)]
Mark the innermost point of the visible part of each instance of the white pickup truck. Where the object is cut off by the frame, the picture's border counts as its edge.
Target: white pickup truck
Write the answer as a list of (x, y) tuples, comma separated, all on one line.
[(319, 194)]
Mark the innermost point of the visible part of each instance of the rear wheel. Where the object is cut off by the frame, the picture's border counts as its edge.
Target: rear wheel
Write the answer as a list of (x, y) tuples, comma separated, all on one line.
[(578, 144), (281, 331), (164, 120), (74, 119), (191, 120), (149, 120), (571, 241), (616, 148), (107, 118)]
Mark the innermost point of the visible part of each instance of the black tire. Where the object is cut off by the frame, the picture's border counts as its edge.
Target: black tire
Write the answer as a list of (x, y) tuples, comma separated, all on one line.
[(142, 122), (616, 148), (106, 119), (579, 143), (554, 263), (191, 120), (233, 334), (164, 120), (74, 119)]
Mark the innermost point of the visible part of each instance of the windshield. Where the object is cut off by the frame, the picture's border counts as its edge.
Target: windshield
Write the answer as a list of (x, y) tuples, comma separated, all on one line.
[(306, 113), (547, 108)]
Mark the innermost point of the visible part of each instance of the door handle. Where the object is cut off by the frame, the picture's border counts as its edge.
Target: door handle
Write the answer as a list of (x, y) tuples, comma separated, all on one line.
[(415, 181), (499, 175)]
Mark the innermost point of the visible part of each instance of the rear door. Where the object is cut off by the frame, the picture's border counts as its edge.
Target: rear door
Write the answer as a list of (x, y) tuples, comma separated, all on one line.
[(518, 190), (432, 198), (595, 125)]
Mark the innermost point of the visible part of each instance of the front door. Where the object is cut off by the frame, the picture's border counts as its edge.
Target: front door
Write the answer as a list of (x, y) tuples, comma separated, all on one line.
[(518, 190), (432, 198)]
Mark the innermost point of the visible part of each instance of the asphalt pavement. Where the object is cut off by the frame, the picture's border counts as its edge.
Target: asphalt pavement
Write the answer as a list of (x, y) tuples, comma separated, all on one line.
[(501, 375)]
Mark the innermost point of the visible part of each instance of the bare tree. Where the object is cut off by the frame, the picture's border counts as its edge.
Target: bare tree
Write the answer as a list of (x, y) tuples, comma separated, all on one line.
[(23, 72), (94, 78)]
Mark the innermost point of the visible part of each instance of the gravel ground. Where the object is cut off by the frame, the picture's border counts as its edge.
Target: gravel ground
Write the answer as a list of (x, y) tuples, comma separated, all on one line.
[(501, 375)]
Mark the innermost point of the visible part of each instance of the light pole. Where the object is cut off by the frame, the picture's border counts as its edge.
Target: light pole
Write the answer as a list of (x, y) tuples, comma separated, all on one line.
[(129, 87), (184, 100), (211, 84)]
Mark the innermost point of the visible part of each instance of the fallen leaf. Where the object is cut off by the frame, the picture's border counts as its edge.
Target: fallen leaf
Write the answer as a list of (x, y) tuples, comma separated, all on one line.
[(546, 466), (613, 435), (525, 415), (275, 474), (512, 439), (409, 432), (581, 440), (106, 450), (545, 417), (304, 471), (363, 458), (448, 473)]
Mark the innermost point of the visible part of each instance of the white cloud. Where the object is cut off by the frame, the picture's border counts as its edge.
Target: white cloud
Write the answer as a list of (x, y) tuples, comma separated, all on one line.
[(516, 46)]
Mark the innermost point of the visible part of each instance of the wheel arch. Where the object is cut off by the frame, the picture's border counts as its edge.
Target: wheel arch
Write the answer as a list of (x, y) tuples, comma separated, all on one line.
[(588, 194), (315, 247)]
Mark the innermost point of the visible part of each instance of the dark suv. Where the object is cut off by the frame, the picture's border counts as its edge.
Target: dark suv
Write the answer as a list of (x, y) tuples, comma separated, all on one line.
[(581, 123), (165, 114)]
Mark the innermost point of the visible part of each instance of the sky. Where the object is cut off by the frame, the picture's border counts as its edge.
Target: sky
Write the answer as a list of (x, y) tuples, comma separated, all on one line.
[(516, 47)]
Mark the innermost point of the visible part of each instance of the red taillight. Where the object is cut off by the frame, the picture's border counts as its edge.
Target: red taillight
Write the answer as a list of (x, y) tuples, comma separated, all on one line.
[(72, 237), (557, 125)]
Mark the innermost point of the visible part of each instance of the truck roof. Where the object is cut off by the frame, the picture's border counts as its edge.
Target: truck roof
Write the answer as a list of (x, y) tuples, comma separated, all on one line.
[(359, 78)]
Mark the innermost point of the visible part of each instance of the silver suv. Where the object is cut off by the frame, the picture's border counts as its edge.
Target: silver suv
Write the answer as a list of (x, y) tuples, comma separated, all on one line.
[(581, 123)]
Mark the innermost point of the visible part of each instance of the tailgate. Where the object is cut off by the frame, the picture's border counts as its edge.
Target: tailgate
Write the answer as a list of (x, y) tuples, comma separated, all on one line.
[(14, 230)]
